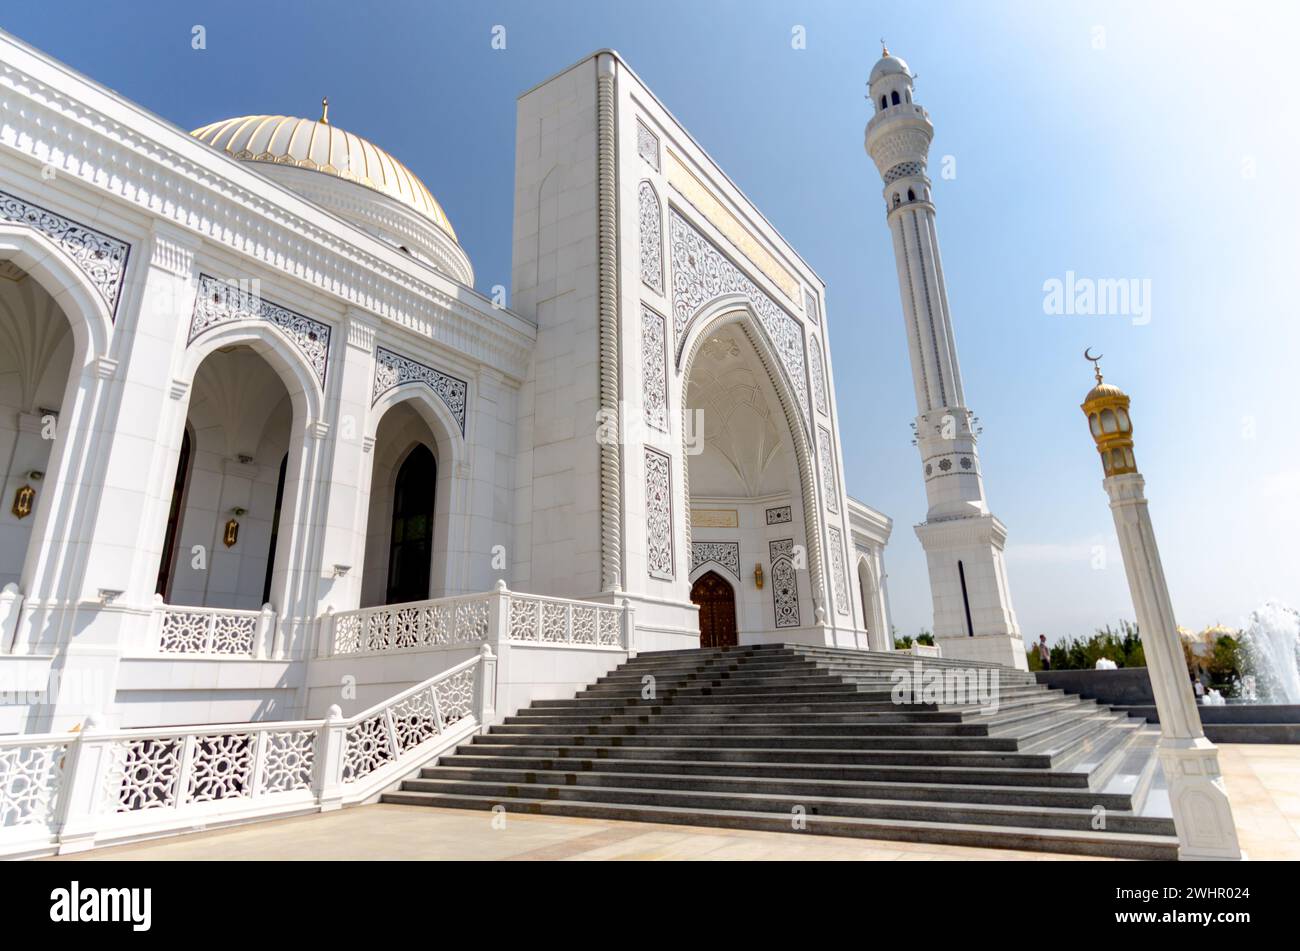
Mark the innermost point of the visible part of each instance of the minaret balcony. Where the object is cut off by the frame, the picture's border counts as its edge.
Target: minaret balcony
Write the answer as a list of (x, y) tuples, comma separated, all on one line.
[(909, 109)]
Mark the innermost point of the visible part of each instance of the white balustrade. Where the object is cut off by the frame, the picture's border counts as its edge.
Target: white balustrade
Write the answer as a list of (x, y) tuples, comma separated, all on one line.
[(179, 629), (442, 622), (68, 792), (494, 617), (553, 621)]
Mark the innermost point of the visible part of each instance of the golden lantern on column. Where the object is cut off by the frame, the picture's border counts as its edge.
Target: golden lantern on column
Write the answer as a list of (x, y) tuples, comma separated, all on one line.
[(1106, 407)]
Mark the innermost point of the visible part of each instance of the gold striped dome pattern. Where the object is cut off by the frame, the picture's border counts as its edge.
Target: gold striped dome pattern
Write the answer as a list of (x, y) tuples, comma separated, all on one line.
[(321, 147)]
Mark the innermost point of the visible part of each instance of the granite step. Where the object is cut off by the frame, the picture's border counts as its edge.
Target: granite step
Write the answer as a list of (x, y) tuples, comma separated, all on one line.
[(757, 736)]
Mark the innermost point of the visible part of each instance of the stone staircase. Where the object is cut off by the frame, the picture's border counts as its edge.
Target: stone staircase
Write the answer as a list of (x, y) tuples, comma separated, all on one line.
[(793, 738)]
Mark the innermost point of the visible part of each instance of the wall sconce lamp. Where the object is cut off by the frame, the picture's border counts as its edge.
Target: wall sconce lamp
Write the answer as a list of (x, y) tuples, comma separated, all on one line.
[(23, 499), (232, 527), (341, 570), (758, 576), (108, 595)]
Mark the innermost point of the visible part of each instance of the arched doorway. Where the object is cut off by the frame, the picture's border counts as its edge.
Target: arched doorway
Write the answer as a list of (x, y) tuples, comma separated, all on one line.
[(163, 587), (37, 353), (717, 603), (867, 588), (234, 465), (410, 545), (411, 541)]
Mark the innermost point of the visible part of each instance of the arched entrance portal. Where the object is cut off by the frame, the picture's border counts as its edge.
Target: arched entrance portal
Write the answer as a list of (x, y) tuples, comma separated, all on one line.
[(717, 602), (743, 484), (410, 546)]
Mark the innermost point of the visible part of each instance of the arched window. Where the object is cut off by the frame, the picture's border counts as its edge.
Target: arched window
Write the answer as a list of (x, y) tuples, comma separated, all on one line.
[(174, 516), (911, 195), (275, 530), (410, 547), (894, 97), (897, 200), (884, 103)]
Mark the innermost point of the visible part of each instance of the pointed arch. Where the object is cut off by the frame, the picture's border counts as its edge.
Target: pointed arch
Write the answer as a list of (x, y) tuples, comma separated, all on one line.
[(439, 432), (736, 309)]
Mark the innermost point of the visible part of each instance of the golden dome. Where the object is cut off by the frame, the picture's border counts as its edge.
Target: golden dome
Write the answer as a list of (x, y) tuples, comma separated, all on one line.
[(321, 147), (1109, 390)]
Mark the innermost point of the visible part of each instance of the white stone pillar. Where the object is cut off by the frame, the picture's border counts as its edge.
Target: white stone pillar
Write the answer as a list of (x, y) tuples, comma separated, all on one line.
[(1202, 813), (350, 459)]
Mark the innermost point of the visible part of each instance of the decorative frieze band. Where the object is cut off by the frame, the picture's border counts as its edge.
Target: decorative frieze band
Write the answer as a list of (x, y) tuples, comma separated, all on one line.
[(726, 554), (393, 369), (101, 257), (950, 463), (222, 302)]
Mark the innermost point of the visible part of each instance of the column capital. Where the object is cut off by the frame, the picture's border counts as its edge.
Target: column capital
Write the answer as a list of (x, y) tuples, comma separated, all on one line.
[(172, 250), (362, 329)]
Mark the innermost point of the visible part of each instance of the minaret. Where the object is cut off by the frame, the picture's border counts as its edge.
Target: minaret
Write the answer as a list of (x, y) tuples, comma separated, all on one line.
[(1199, 801), (973, 617)]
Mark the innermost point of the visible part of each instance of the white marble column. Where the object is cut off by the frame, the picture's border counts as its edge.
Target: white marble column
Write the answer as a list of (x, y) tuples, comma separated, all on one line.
[(1202, 813)]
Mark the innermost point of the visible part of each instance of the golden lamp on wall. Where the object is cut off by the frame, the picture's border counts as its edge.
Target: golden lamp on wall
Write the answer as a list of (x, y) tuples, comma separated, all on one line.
[(23, 499), (232, 528), (758, 575)]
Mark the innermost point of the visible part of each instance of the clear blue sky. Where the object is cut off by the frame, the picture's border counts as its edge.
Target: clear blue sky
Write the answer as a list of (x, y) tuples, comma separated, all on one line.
[(1155, 141)]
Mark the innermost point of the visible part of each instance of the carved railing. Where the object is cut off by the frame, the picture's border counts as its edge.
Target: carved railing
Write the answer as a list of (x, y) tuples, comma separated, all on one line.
[(180, 629), (496, 617), (540, 620), (65, 793), (442, 622)]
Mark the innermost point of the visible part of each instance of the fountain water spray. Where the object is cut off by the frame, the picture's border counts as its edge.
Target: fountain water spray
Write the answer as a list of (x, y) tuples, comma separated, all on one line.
[(1270, 648)]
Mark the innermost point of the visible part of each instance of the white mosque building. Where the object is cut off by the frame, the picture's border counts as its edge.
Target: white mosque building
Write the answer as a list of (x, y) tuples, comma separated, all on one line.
[(269, 456)]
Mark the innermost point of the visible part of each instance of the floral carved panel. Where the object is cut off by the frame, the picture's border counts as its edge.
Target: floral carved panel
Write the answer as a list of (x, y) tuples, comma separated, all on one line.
[(222, 302), (652, 228), (101, 257), (818, 378), (839, 581), (393, 369), (647, 144), (654, 369), (785, 587), (726, 554), (701, 273), (826, 457), (659, 514)]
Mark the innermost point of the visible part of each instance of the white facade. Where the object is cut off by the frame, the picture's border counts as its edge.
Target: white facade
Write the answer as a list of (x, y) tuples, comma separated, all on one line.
[(262, 330), (963, 540)]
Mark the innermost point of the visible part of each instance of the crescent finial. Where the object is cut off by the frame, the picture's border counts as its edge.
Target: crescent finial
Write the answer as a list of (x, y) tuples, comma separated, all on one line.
[(1096, 365)]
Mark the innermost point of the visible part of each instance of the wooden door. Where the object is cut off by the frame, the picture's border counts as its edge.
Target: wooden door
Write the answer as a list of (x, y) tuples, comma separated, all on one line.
[(717, 603)]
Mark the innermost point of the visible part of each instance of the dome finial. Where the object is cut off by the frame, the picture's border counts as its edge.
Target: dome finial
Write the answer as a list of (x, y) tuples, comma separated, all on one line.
[(325, 110), (884, 49), (1096, 361)]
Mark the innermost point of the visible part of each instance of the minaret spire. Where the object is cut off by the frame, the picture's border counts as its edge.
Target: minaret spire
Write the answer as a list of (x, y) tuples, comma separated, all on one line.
[(973, 617)]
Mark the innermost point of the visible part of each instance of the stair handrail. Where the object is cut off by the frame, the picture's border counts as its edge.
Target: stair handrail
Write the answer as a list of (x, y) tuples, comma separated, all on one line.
[(108, 785)]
